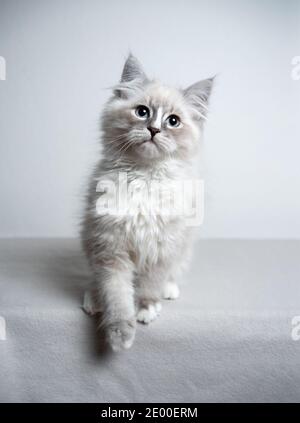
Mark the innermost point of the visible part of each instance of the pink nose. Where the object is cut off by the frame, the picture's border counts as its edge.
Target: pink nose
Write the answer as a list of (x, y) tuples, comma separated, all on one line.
[(153, 131)]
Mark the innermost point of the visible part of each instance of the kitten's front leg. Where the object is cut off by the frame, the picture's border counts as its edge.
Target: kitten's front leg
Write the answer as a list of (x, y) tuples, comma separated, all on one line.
[(148, 288), (170, 290), (148, 310), (90, 302), (178, 268), (116, 297)]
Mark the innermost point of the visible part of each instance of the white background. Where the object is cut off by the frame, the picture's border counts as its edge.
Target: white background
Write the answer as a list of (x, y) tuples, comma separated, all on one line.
[(63, 55)]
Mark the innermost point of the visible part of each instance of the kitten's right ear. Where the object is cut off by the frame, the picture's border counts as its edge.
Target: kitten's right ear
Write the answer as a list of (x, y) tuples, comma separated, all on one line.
[(132, 79), (132, 70)]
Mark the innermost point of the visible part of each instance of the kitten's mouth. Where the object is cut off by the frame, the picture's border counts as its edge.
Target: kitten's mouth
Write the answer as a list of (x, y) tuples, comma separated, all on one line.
[(152, 140)]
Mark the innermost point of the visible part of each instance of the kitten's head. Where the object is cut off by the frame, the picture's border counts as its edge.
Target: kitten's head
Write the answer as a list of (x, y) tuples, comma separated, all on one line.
[(148, 121)]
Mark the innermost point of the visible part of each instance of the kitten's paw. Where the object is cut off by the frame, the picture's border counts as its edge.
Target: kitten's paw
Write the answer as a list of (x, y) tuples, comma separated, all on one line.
[(171, 291), (89, 304), (120, 335), (147, 314)]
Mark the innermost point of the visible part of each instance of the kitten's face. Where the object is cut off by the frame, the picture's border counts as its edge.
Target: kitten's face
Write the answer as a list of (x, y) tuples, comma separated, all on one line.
[(146, 120)]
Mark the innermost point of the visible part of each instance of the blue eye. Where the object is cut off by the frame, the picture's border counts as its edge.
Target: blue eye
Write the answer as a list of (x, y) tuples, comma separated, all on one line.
[(142, 112), (173, 120)]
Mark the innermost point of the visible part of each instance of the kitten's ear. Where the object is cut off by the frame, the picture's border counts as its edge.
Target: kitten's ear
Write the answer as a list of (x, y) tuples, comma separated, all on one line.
[(198, 95), (132, 70)]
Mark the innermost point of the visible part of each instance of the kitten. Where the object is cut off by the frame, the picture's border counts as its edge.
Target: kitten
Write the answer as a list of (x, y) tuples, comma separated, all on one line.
[(151, 132)]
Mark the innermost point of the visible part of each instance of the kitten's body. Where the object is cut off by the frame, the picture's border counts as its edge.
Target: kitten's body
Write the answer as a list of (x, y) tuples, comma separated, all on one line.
[(136, 255)]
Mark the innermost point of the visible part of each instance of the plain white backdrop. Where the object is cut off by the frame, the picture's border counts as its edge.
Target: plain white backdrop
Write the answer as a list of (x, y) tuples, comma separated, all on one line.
[(61, 56)]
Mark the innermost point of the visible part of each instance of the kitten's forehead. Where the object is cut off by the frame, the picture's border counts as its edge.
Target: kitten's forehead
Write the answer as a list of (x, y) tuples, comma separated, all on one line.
[(161, 96)]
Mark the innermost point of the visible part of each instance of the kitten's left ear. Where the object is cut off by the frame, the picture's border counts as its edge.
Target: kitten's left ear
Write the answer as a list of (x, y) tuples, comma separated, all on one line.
[(198, 95), (132, 70)]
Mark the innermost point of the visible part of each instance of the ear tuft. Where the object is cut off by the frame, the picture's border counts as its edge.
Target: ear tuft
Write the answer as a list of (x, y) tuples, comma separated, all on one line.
[(132, 70), (198, 95)]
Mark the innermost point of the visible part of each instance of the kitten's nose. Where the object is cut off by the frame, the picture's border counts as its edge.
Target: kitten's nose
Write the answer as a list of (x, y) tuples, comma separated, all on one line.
[(153, 131)]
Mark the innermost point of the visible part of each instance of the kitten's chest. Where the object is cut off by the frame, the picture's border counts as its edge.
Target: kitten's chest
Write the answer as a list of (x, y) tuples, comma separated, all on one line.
[(152, 202), (152, 239), (149, 212), (153, 225)]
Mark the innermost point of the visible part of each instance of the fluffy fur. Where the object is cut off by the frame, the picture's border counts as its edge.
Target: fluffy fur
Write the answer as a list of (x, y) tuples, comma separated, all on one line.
[(136, 256)]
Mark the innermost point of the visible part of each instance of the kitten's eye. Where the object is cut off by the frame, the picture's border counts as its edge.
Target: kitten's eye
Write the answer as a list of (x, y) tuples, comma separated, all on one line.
[(142, 112), (173, 120)]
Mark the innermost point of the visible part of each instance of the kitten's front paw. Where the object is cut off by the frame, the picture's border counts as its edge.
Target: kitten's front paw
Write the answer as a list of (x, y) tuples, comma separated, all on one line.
[(120, 335), (90, 305), (171, 291), (148, 313)]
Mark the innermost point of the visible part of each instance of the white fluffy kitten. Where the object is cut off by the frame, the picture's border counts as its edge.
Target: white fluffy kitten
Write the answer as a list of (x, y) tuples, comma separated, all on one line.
[(151, 132)]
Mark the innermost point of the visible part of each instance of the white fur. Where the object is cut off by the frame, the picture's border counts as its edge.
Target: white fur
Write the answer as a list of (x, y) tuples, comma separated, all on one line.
[(147, 315), (89, 304), (171, 291), (134, 254)]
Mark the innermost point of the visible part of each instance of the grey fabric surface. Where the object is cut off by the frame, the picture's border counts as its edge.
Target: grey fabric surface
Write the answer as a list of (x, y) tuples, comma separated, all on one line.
[(228, 338)]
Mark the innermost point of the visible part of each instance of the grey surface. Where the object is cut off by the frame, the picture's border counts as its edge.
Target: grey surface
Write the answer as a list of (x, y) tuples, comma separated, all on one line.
[(228, 338)]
